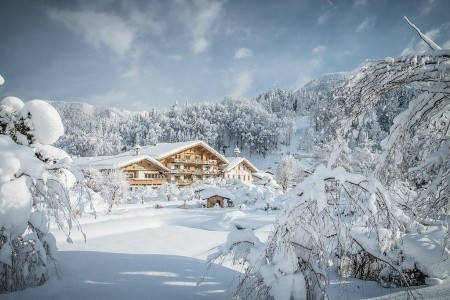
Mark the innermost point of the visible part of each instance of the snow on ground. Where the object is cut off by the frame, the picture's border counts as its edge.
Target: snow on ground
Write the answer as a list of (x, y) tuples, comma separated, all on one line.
[(141, 252)]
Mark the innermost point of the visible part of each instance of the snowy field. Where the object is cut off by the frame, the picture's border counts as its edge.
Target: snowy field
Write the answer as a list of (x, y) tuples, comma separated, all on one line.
[(140, 252)]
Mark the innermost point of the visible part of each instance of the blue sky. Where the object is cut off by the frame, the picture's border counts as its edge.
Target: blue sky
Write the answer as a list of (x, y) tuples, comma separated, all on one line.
[(141, 54)]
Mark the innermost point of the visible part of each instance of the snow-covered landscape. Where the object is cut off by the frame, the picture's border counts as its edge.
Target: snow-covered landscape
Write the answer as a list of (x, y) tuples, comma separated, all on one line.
[(336, 188), (143, 252), (140, 251)]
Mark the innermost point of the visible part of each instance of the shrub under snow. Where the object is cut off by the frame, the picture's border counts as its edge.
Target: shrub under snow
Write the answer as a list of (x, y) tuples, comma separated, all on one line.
[(355, 224), (34, 181)]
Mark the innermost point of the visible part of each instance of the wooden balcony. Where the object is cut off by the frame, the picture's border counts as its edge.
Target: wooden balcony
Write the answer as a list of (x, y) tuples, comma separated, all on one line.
[(182, 182), (195, 161), (147, 181), (194, 172)]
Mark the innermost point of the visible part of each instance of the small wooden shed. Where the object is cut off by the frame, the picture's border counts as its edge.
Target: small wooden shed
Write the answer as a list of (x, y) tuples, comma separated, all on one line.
[(217, 196)]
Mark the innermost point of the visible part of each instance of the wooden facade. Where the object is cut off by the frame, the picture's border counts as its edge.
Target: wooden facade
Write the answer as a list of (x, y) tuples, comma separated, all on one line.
[(215, 200), (145, 174), (242, 171), (180, 163), (193, 164)]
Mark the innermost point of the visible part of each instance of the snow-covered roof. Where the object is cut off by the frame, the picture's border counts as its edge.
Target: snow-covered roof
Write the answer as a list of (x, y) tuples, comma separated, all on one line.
[(234, 161), (163, 150), (263, 174), (207, 193), (154, 154), (114, 162)]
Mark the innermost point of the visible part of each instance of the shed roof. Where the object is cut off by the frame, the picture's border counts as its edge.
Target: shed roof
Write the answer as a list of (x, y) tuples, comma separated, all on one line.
[(207, 193)]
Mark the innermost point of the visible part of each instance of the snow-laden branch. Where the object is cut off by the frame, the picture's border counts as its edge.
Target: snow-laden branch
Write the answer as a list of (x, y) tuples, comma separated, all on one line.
[(326, 219), (426, 39), (414, 151)]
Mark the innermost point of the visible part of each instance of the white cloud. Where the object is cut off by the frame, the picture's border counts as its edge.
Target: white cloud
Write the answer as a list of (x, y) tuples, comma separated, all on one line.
[(307, 70), (199, 20), (417, 45), (319, 49), (200, 45), (427, 7), (146, 22), (360, 3), (243, 53), (323, 17), (169, 91), (97, 28), (368, 22), (120, 99), (175, 57), (446, 45), (347, 53), (243, 82), (207, 15)]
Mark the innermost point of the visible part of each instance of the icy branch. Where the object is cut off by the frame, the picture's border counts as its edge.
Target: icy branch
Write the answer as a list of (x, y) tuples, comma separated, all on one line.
[(423, 36)]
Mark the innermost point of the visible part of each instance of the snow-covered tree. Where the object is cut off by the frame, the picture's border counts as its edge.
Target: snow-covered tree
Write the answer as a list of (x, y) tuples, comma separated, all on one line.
[(416, 153), (114, 188), (286, 171), (332, 218), (34, 182), (339, 220)]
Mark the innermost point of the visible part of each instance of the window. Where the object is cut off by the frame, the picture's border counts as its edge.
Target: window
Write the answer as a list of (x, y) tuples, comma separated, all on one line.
[(187, 157), (130, 175), (177, 166)]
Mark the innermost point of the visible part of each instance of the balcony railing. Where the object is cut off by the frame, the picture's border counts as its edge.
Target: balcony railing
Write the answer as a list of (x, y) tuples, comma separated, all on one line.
[(195, 161), (194, 172), (184, 182), (147, 181)]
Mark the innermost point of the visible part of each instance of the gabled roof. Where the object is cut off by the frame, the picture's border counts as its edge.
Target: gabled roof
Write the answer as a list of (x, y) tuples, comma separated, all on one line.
[(163, 150), (114, 162), (234, 161), (261, 175), (209, 192)]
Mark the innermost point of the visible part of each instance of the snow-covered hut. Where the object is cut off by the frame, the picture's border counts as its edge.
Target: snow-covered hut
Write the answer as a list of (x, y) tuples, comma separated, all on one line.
[(217, 196)]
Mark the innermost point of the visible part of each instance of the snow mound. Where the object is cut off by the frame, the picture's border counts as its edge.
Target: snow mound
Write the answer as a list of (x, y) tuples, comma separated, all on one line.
[(12, 103), (431, 257), (9, 165), (52, 154), (15, 198), (14, 214), (46, 120)]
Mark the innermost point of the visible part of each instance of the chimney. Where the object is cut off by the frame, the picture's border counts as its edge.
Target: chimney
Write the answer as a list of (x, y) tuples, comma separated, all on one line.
[(137, 149), (236, 152)]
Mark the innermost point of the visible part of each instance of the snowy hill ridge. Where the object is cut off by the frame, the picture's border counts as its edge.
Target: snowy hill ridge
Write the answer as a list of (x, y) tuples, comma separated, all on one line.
[(257, 126)]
